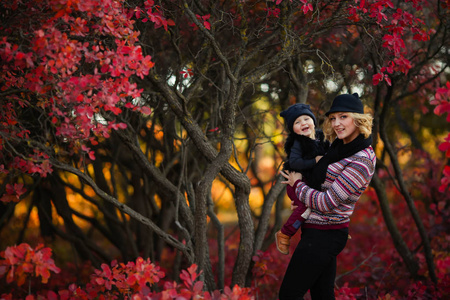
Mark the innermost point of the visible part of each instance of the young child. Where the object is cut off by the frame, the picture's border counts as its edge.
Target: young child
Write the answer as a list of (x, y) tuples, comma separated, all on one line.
[(304, 147)]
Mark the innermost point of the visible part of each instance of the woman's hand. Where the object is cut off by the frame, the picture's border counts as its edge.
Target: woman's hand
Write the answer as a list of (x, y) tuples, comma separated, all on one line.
[(291, 177), (293, 207)]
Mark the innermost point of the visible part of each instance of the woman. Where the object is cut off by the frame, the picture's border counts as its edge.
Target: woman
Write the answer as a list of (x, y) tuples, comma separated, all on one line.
[(334, 187)]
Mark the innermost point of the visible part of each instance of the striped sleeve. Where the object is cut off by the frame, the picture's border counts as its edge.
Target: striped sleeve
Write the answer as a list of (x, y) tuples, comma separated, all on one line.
[(346, 188)]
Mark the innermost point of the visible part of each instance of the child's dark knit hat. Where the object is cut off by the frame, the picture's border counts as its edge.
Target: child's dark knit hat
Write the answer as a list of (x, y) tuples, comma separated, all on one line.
[(295, 111), (346, 103)]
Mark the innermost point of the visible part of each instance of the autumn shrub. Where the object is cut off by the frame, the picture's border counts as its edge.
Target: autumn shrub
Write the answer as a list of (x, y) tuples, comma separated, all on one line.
[(364, 273), (21, 263), (371, 263), (133, 280), (368, 268)]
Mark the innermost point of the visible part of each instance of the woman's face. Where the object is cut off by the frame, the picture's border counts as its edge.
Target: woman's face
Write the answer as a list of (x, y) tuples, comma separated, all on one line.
[(344, 126), (304, 125)]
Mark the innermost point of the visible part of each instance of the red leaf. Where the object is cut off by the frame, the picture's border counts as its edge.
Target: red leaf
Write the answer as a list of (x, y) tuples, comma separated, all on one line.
[(92, 155), (377, 78), (388, 80), (145, 110)]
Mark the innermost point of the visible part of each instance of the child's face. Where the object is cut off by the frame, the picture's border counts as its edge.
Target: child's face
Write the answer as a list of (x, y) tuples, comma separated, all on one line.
[(304, 125)]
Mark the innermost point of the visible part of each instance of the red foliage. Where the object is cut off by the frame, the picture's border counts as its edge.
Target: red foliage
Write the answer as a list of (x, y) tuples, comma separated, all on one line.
[(132, 276), (374, 272), (48, 71), (397, 28), (442, 102), (134, 280), (20, 262), (45, 69)]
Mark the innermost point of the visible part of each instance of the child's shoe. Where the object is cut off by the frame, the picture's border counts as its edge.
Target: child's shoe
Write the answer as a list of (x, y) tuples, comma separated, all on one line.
[(283, 242)]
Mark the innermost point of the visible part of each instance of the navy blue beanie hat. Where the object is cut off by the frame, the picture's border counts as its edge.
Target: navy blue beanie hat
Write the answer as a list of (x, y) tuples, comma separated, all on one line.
[(295, 111), (346, 103)]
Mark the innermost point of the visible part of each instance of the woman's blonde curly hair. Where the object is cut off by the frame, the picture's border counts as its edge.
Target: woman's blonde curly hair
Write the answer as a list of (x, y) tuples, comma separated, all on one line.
[(362, 121)]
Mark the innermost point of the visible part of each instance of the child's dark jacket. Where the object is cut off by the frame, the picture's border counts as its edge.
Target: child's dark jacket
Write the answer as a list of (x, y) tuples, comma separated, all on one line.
[(301, 152)]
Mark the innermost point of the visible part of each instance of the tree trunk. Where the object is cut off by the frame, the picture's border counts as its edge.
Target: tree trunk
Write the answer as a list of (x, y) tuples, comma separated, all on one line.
[(400, 245), (403, 189)]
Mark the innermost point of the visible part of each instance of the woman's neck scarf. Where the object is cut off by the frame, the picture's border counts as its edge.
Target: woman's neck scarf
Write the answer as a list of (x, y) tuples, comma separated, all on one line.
[(337, 151)]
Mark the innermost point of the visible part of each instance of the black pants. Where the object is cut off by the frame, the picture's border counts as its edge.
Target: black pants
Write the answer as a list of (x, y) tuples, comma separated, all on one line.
[(313, 265)]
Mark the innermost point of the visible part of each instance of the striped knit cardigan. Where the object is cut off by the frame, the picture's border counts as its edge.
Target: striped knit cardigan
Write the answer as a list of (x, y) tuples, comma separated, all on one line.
[(346, 180)]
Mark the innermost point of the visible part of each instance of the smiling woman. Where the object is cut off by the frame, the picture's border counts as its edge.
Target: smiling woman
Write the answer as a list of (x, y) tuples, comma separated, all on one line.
[(346, 119), (331, 192), (344, 126)]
